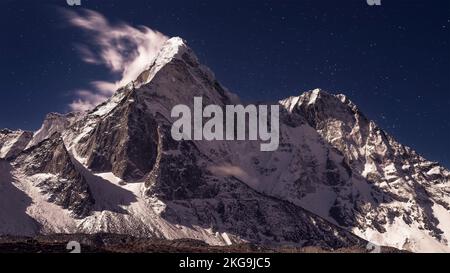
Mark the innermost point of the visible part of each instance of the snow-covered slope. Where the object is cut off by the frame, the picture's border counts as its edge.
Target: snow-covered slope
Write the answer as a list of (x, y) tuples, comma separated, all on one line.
[(53, 123), (13, 142), (117, 169), (391, 195)]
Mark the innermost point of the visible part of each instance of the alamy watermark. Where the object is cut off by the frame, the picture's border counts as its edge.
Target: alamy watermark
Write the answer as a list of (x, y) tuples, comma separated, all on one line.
[(73, 2), (74, 246), (374, 2), (373, 248), (233, 126)]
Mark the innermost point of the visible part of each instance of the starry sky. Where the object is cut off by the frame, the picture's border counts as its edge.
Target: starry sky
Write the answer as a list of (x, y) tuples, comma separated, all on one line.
[(392, 60)]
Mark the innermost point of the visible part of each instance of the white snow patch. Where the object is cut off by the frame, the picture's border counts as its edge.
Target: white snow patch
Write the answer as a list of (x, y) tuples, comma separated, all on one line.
[(314, 95), (226, 238), (403, 236), (434, 171)]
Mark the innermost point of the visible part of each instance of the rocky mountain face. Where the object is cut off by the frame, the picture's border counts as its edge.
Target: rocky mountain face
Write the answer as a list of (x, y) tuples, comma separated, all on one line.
[(50, 167), (392, 195), (336, 180), (13, 142), (53, 123)]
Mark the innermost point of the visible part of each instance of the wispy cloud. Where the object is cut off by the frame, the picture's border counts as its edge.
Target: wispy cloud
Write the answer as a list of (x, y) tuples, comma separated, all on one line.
[(228, 170), (124, 49), (87, 100)]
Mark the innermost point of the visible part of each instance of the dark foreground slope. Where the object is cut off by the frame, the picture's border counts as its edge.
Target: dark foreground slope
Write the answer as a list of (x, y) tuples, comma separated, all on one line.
[(112, 243)]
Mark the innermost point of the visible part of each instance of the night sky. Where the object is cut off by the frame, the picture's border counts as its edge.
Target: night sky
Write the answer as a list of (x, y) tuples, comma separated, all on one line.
[(393, 60)]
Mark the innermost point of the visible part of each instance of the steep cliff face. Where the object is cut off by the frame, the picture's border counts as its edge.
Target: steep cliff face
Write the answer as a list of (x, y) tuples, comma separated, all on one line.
[(334, 177), (120, 136), (13, 142), (123, 142), (50, 168), (53, 123), (393, 195)]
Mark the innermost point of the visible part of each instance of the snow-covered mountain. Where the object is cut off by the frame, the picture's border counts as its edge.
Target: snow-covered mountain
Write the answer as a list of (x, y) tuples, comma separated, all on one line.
[(13, 142), (335, 180), (392, 195)]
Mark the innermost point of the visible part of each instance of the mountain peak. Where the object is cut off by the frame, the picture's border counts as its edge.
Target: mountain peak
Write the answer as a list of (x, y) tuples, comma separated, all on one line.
[(119, 169), (174, 48), (176, 42), (318, 96), (314, 95), (308, 98)]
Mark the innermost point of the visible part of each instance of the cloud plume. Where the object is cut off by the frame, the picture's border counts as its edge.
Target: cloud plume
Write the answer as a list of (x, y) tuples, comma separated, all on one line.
[(124, 49), (228, 170)]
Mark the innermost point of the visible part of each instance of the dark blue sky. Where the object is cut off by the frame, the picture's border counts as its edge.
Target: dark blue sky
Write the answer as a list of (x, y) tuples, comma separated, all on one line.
[(393, 60)]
